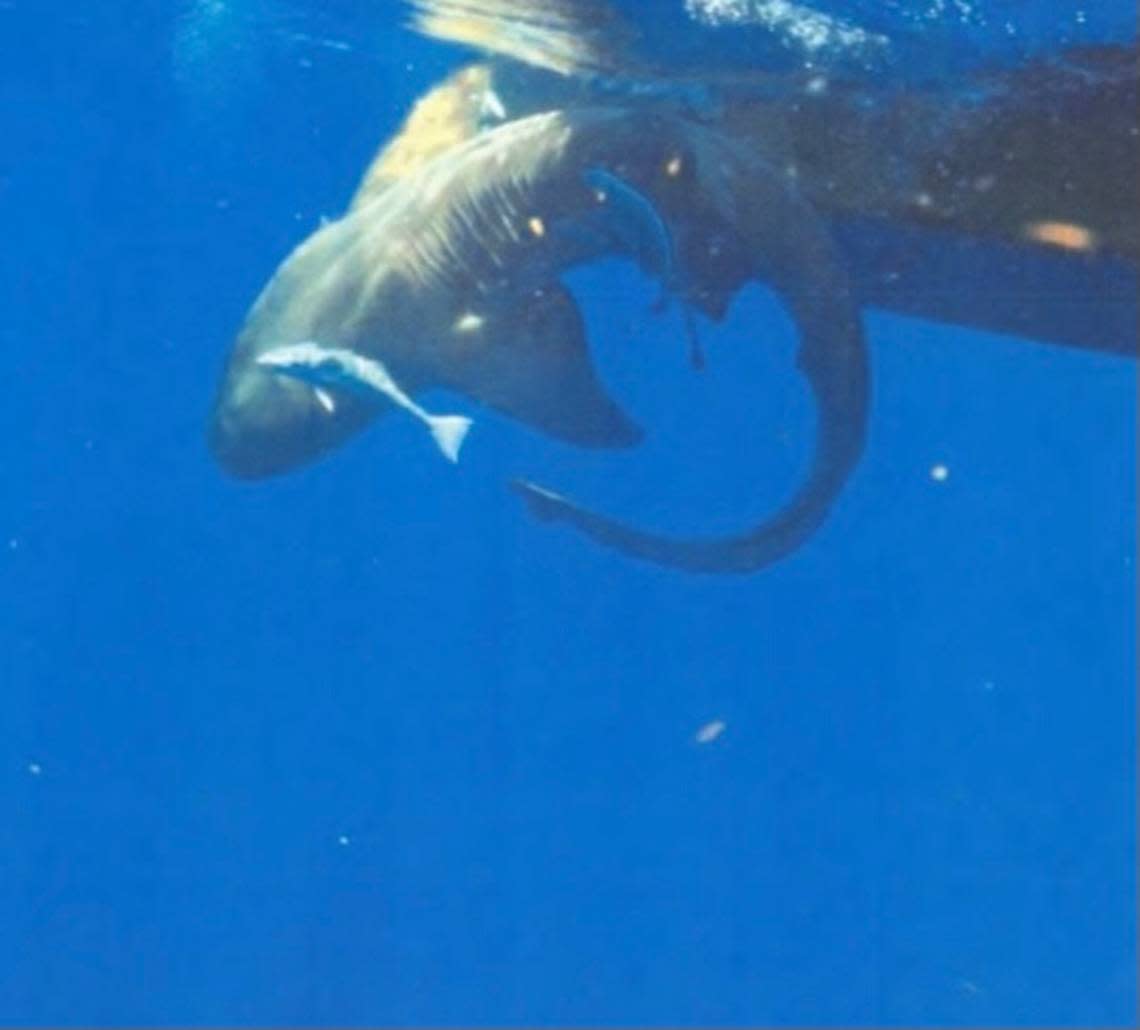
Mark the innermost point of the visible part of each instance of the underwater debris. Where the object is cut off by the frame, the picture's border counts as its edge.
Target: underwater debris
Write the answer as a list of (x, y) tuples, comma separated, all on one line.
[(710, 731)]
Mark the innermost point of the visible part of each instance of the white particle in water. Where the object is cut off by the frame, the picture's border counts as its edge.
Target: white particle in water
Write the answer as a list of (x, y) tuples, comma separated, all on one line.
[(939, 473), (710, 731)]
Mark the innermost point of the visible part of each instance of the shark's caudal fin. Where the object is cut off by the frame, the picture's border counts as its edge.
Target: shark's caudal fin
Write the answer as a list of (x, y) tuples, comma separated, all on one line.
[(449, 432)]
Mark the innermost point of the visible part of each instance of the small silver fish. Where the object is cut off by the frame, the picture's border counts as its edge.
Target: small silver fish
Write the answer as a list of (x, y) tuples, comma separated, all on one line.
[(339, 368)]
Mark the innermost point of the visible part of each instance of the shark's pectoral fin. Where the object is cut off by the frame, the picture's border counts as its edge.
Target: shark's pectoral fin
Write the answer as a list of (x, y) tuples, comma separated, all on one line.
[(527, 357)]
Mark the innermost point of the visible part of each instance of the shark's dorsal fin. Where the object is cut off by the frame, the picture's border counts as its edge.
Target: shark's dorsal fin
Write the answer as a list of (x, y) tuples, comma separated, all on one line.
[(451, 114), (526, 356)]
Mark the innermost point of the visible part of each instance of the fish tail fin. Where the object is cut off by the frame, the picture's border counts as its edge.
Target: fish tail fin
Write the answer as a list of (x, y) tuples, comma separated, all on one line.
[(449, 431)]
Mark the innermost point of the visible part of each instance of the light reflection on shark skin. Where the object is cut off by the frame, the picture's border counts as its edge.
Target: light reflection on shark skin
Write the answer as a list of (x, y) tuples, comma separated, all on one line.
[(449, 276)]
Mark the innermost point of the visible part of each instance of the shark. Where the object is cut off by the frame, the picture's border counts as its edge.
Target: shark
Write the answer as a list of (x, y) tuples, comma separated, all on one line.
[(563, 147), (446, 272)]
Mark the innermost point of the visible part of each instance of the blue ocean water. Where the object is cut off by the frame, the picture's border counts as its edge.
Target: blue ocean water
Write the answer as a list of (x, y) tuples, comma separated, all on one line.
[(365, 745)]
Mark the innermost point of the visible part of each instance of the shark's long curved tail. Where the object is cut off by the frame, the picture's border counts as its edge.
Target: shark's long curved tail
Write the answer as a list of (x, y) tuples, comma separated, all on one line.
[(789, 246)]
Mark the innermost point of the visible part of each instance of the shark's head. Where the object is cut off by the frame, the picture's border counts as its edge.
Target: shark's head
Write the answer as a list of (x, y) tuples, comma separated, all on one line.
[(275, 412), (276, 409)]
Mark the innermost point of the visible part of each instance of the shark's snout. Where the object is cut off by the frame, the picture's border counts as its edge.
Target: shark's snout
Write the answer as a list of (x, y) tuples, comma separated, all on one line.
[(265, 424)]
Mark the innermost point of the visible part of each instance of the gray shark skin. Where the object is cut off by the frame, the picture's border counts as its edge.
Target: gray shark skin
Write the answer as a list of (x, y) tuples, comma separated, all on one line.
[(449, 277), (443, 277)]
